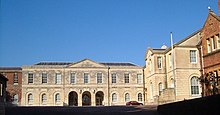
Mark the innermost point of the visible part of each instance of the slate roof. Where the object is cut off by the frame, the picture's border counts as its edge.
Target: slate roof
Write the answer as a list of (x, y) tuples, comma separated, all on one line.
[(10, 68)]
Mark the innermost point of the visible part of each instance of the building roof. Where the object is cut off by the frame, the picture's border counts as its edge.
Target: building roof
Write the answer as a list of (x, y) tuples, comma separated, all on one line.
[(53, 63), (118, 64), (10, 68)]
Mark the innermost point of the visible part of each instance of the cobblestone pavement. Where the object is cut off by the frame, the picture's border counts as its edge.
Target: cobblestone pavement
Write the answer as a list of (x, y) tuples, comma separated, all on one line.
[(100, 110)]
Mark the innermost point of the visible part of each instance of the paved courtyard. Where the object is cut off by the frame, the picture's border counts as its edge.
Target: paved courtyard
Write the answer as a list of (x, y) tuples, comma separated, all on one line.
[(101, 110)]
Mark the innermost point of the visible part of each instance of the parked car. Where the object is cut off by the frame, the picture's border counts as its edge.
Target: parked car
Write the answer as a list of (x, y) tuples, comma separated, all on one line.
[(133, 103)]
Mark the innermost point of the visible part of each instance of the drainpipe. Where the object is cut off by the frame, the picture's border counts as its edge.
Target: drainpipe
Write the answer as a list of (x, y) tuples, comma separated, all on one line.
[(143, 85)]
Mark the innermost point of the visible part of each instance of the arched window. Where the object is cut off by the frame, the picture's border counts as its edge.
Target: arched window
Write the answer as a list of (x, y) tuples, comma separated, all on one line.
[(194, 85), (114, 97), (15, 99), (57, 98), (30, 99), (139, 97), (160, 88), (127, 97), (44, 98)]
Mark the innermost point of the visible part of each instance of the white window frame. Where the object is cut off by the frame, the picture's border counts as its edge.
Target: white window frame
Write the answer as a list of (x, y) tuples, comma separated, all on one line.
[(44, 78), (30, 99), (208, 45), (140, 97), (218, 41), (193, 56), (44, 99), (72, 78), (15, 79), (58, 78), (57, 98), (159, 62), (126, 78), (160, 86), (114, 78), (127, 97), (114, 97), (194, 81), (139, 78), (86, 80), (99, 78), (30, 78)]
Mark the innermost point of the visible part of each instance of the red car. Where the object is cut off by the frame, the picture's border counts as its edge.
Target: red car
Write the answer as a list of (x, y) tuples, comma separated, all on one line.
[(133, 103)]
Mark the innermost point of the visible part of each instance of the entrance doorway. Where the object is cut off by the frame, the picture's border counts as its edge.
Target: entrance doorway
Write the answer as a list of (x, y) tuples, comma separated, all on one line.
[(73, 98), (86, 98), (99, 97)]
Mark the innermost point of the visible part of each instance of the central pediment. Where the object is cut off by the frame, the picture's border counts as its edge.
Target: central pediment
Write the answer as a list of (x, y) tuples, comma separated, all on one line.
[(86, 63)]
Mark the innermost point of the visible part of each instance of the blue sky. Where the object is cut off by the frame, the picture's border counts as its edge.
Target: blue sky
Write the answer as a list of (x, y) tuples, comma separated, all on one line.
[(101, 30)]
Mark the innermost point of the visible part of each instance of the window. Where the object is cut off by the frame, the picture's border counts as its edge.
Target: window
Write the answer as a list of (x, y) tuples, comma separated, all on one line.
[(15, 78), (139, 97), (213, 43), (58, 78), (194, 85), (86, 78), (15, 99), (127, 97), (218, 41), (30, 78), (73, 78), (172, 83), (139, 78), (193, 56), (30, 99), (99, 77), (208, 46), (126, 77), (160, 88), (44, 99), (57, 98), (114, 78), (44, 78), (159, 62), (114, 97)]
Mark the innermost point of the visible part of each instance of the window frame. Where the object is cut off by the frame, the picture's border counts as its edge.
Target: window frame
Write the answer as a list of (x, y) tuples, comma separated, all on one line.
[(126, 78), (99, 78), (15, 79), (44, 78), (72, 78), (194, 84), (159, 62), (193, 56), (58, 78), (114, 78), (86, 78), (30, 78)]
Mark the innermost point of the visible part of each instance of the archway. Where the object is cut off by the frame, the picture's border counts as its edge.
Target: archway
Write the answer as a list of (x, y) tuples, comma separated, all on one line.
[(73, 98), (86, 98), (99, 97)]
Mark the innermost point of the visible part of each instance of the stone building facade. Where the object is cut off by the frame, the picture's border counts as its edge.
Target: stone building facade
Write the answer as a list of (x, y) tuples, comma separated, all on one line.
[(83, 83), (14, 84), (173, 75), (209, 53)]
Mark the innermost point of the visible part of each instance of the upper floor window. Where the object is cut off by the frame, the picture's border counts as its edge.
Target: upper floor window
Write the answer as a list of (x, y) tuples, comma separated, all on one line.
[(170, 60), (73, 78), (159, 62), (114, 78), (30, 99), (218, 41), (208, 45), (15, 78), (114, 97), (44, 78), (99, 77), (139, 78), (127, 97), (30, 78), (213, 43), (194, 85), (126, 78), (86, 77), (58, 78), (151, 66), (140, 97), (193, 56)]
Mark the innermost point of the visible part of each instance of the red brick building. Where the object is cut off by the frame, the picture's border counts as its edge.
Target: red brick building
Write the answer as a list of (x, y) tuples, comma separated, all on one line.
[(210, 54), (14, 84)]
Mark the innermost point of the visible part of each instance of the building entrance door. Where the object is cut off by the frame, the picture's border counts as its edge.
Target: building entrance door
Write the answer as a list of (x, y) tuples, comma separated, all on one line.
[(99, 98), (86, 98), (73, 98)]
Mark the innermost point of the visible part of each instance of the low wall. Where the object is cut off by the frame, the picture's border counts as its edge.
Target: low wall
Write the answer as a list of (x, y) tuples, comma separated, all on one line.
[(201, 106)]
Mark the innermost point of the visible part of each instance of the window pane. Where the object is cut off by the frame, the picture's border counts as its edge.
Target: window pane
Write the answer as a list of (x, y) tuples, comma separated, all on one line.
[(99, 77), (86, 77), (139, 97), (58, 78), (192, 56), (159, 62), (15, 78), (194, 86), (139, 78), (127, 97), (114, 97), (72, 77), (126, 78), (30, 99), (44, 78), (113, 78), (30, 78)]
